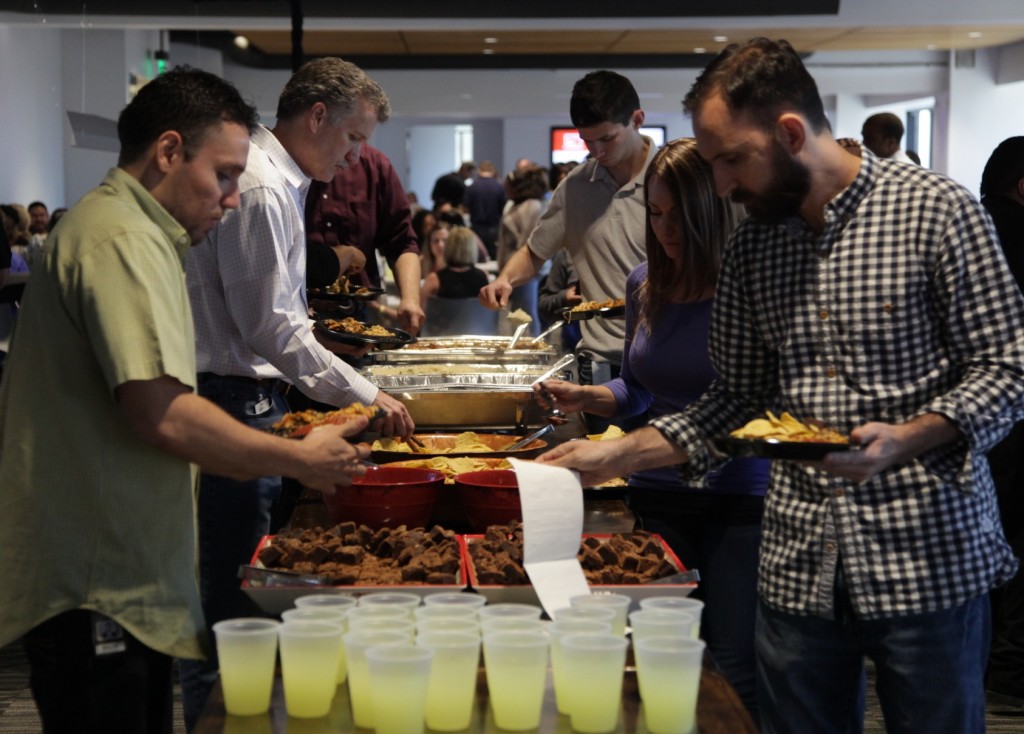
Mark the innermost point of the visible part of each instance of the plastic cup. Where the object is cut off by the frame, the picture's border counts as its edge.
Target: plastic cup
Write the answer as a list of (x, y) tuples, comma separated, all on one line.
[(400, 625), (452, 678), (668, 674), (516, 668), (309, 666), (401, 599), (376, 612), (506, 611), (333, 614), (359, 692), (342, 601), (511, 624), (663, 623), (399, 676), (594, 665), (560, 628), (683, 603), (444, 611), (599, 614), (448, 624), (455, 599), (618, 602), (247, 651)]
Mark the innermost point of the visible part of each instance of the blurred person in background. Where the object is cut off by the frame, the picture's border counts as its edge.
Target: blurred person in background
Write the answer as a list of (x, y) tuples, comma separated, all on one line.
[(484, 202)]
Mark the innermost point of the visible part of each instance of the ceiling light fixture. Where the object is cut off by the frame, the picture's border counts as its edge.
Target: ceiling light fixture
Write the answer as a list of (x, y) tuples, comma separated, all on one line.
[(721, 39), (700, 50), (488, 51), (490, 39), (241, 42), (975, 34)]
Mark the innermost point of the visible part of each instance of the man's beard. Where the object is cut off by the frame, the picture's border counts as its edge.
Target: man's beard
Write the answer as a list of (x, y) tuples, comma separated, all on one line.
[(789, 186)]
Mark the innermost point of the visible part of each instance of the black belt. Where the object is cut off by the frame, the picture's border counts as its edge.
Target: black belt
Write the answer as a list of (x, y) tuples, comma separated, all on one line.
[(270, 384)]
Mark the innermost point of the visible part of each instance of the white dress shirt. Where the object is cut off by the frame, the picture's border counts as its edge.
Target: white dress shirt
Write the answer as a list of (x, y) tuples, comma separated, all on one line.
[(247, 285)]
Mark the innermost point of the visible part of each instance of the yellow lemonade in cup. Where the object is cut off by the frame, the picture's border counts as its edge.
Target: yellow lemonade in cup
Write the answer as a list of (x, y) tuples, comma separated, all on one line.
[(668, 672), (356, 644), (516, 668), (399, 675), (453, 673), (309, 666), (247, 653), (558, 629), (594, 665)]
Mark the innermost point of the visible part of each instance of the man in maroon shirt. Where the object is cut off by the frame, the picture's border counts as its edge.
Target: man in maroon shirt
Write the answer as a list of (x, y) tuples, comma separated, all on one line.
[(365, 206)]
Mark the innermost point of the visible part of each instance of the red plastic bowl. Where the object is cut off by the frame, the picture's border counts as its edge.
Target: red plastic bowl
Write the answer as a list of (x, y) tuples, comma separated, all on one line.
[(489, 497), (386, 497)]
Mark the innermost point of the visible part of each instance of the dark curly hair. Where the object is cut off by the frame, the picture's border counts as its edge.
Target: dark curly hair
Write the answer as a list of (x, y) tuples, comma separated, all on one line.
[(763, 79), (189, 101)]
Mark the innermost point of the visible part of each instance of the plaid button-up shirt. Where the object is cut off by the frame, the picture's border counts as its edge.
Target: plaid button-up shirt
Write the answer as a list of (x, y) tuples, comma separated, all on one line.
[(902, 306)]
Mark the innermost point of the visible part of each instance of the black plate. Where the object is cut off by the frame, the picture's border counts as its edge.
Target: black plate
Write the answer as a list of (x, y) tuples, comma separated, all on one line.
[(773, 448), (321, 294), (613, 312), (398, 338)]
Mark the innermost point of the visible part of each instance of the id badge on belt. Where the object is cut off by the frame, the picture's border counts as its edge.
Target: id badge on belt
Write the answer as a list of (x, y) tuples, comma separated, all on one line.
[(108, 637)]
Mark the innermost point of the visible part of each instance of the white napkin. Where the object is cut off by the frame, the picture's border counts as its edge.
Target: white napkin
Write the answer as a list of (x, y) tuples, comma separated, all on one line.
[(552, 500)]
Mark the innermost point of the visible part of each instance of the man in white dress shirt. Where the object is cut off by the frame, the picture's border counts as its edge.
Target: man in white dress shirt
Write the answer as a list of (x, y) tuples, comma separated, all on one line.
[(246, 283)]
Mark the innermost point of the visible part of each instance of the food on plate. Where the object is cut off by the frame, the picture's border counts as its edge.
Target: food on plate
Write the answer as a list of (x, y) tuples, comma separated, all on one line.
[(297, 424), (449, 343), (467, 441), (351, 555), (610, 434), (342, 286), (354, 326), (403, 370), (621, 558), (788, 428), (595, 305), (450, 466)]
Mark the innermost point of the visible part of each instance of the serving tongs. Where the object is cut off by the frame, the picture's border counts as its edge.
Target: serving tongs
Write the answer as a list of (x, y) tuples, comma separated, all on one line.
[(516, 334), (528, 439), (259, 576), (684, 577), (548, 331), (551, 413), (418, 447)]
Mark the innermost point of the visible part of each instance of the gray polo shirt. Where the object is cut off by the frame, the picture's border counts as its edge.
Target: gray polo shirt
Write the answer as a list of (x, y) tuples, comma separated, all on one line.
[(603, 228)]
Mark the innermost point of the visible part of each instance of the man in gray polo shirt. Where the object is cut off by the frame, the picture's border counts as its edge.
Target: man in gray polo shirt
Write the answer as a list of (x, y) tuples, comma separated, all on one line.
[(596, 213)]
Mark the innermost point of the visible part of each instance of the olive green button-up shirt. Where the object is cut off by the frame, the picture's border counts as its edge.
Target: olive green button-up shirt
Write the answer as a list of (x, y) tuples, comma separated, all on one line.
[(91, 517)]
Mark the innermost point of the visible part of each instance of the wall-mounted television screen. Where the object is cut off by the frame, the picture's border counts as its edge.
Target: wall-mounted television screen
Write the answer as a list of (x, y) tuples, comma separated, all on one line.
[(566, 145)]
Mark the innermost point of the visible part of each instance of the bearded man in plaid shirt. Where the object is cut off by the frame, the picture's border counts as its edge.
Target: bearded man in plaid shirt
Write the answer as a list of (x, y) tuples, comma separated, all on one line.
[(871, 295)]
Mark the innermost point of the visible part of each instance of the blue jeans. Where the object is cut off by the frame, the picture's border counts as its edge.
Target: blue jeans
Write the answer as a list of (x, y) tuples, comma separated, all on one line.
[(929, 670), (233, 516)]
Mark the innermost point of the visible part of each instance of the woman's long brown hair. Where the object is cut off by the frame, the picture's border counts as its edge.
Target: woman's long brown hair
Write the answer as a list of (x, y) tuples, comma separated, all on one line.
[(708, 221)]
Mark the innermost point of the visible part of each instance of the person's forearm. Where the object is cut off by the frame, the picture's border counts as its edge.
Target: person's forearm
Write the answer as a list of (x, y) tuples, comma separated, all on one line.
[(521, 267), (648, 448), (169, 417), (407, 276), (925, 433), (599, 400)]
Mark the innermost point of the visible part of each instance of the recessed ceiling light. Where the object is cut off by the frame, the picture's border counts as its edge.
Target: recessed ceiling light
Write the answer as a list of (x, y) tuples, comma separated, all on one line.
[(241, 42), (974, 34), (700, 50), (490, 39), (721, 39), (931, 47), (488, 51)]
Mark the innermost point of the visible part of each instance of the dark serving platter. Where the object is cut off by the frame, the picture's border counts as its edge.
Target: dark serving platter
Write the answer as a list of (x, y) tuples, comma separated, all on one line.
[(773, 448), (398, 338), (609, 312), (322, 294)]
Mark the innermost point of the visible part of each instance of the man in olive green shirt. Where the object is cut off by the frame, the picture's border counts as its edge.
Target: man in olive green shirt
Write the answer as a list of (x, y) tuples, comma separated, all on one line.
[(100, 428)]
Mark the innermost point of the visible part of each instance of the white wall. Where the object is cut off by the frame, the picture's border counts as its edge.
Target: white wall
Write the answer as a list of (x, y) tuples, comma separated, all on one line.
[(981, 115), (31, 116)]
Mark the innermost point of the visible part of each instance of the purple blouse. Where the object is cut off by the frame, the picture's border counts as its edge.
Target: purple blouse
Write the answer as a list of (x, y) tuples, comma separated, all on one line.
[(663, 372)]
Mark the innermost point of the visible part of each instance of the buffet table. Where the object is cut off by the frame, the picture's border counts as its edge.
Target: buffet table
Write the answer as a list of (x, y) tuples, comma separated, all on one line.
[(719, 711)]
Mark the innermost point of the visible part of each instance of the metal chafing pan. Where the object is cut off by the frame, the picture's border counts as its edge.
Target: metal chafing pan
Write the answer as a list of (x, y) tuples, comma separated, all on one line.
[(496, 397), (467, 349)]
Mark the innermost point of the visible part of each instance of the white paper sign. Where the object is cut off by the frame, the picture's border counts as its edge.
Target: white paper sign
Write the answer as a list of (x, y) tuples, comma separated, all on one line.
[(552, 500)]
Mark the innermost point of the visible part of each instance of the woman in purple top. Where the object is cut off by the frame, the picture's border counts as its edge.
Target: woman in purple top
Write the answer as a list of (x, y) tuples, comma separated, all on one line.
[(712, 522)]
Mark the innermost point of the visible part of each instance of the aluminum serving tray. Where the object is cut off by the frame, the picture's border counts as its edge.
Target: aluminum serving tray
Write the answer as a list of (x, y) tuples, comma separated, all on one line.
[(490, 377), (465, 349)]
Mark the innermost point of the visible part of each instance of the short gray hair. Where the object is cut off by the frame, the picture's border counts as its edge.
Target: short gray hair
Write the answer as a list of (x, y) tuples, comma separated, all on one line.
[(337, 84)]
